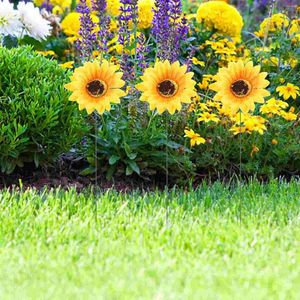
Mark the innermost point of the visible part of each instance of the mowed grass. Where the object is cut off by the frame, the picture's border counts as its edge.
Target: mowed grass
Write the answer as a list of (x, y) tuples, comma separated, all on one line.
[(220, 242)]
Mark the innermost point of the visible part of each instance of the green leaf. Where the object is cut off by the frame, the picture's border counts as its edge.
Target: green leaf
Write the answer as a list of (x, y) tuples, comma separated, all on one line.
[(114, 159), (133, 165), (88, 171)]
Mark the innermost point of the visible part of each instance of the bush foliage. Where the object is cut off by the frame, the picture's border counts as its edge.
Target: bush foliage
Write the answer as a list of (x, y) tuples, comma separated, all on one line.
[(37, 122)]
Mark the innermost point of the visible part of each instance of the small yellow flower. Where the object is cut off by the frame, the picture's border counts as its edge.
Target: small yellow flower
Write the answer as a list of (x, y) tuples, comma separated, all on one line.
[(282, 80), (67, 65), (255, 123), (287, 91), (289, 116), (71, 25), (225, 111), (237, 129), (195, 138), (274, 142), (47, 53), (208, 117), (206, 81), (273, 107), (198, 62), (113, 7), (294, 27)]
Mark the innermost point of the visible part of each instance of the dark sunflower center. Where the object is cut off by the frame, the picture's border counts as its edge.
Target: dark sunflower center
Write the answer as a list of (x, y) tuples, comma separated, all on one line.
[(167, 88), (241, 88), (96, 88)]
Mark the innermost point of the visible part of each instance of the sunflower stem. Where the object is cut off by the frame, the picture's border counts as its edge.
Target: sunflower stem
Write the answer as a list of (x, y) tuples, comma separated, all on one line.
[(240, 179), (167, 170), (96, 147)]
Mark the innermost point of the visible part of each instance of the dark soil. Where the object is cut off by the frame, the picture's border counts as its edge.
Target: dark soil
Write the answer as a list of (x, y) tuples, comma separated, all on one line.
[(66, 174)]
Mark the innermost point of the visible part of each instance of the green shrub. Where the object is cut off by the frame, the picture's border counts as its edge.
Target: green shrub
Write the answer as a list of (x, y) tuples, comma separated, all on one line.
[(37, 122), (128, 144)]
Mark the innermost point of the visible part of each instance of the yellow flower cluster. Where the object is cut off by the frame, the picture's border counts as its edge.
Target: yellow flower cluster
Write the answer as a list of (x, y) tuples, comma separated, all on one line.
[(274, 107), (206, 81), (224, 48), (213, 112), (273, 24), (294, 31), (220, 16), (249, 124)]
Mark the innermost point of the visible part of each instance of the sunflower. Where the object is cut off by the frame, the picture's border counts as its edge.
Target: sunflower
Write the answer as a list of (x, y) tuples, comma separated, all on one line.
[(166, 85), (96, 86), (240, 85)]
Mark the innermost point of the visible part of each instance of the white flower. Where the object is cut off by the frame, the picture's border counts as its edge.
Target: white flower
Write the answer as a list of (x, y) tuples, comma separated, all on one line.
[(34, 24), (9, 19)]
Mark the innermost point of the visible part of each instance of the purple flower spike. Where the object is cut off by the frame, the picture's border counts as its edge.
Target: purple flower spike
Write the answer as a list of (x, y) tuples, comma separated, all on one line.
[(128, 13), (100, 7), (142, 50), (169, 29), (88, 40)]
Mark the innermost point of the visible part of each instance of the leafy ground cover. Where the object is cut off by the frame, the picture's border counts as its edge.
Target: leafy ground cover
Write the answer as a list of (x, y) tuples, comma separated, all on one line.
[(220, 242)]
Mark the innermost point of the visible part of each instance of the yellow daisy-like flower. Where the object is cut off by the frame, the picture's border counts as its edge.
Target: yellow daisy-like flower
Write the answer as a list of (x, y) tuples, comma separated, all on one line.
[(96, 86), (240, 85), (289, 116), (207, 117), (255, 123), (198, 62), (165, 86), (287, 91), (237, 129), (220, 16), (195, 138), (68, 65)]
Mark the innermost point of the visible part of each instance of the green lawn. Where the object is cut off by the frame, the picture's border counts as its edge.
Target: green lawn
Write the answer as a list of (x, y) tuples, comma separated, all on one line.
[(60, 245)]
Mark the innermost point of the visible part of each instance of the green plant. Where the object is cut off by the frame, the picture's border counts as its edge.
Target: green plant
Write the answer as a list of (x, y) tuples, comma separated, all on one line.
[(274, 153), (127, 145), (37, 122)]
